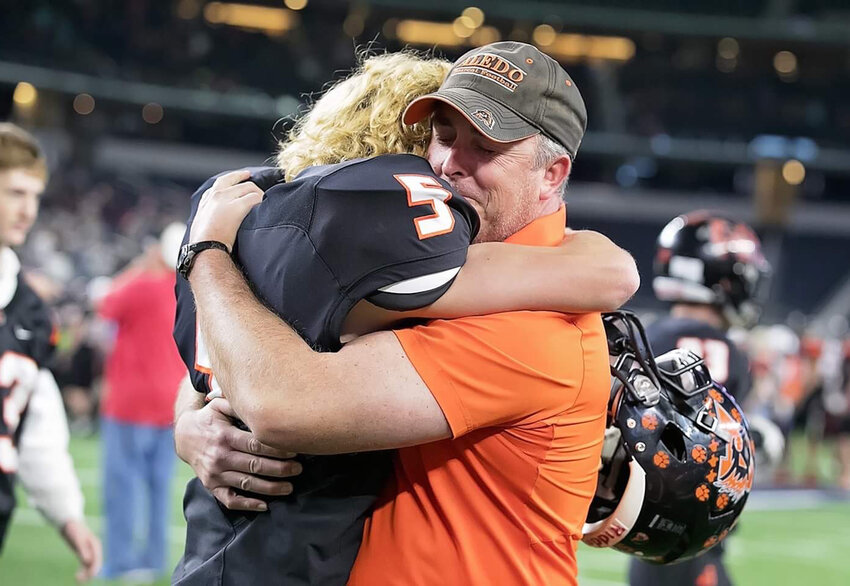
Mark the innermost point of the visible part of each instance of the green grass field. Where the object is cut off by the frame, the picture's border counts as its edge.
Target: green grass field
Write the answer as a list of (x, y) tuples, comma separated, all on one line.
[(781, 541)]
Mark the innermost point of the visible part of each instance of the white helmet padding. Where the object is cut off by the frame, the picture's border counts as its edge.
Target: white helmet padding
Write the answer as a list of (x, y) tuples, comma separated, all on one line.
[(610, 530)]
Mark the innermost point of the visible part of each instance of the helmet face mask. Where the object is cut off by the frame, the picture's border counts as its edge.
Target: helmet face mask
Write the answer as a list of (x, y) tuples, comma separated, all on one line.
[(677, 466), (709, 259)]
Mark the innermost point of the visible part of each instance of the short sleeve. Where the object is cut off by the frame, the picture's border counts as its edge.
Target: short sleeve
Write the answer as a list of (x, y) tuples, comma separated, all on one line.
[(501, 369)]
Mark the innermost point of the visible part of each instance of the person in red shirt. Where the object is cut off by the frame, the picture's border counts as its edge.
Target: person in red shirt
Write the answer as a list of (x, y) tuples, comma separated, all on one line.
[(500, 418), (142, 373)]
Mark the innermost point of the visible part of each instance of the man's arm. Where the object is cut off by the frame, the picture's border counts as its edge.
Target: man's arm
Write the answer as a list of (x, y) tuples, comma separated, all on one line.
[(226, 458), (586, 273), (367, 396)]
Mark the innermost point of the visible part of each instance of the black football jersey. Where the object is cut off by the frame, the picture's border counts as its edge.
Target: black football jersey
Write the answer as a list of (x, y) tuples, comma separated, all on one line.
[(384, 229), (26, 333), (727, 364)]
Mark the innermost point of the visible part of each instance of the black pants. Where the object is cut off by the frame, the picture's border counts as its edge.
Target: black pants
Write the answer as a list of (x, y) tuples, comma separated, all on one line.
[(309, 538), (705, 570)]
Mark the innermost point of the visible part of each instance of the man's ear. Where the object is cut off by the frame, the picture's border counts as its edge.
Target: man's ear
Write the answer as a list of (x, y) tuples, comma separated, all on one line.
[(556, 174)]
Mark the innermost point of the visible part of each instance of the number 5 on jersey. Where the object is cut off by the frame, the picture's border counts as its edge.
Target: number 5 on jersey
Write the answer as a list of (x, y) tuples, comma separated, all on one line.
[(425, 190)]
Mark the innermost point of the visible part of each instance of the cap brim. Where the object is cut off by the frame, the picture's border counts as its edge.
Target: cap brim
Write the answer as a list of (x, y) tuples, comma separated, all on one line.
[(491, 118)]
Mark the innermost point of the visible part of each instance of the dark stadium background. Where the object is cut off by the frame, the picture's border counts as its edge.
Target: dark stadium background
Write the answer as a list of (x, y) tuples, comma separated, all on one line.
[(739, 106)]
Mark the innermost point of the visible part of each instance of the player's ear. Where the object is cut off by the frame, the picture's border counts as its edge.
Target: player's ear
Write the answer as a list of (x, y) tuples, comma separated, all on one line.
[(554, 176)]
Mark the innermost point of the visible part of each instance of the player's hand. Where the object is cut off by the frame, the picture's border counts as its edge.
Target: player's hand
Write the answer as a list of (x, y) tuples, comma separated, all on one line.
[(223, 207), (226, 458), (87, 548)]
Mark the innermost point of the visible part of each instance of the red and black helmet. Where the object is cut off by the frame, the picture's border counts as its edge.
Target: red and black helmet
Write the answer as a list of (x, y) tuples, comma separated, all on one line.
[(678, 461), (704, 257)]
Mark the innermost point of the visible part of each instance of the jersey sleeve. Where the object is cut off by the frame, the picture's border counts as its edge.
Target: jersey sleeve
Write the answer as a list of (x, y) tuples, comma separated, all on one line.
[(384, 229), (186, 336), (391, 231), (502, 369), (45, 467)]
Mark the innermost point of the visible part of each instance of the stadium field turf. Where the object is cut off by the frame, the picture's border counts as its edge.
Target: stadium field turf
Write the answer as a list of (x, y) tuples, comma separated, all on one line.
[(785, 537)]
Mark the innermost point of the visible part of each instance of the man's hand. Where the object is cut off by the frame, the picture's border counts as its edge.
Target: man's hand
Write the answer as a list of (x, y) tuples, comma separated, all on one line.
[(223, 207), (226, 458), (86, 546)]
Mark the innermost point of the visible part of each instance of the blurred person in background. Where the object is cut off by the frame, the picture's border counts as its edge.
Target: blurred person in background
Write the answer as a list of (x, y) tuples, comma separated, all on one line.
[(33, 428), (711, 269), (844, 431), (79, 365), (833, 365), (808, 415), (142, 373)]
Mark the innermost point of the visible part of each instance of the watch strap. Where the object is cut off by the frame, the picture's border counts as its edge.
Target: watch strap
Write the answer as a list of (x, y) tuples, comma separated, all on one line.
[(188, 253)]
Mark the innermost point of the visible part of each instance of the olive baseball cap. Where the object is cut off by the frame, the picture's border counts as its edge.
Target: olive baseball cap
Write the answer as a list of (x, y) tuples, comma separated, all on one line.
[(510, 91)]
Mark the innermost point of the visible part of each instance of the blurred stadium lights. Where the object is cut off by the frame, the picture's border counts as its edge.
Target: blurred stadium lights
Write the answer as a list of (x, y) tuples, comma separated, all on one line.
[(152, 113), (728, 51), (717, 152), (785, 63), (25, 94), (728, 48), (463, 26), (591, 48), (84, 104), (692, 23), (569, 47), (543, 35), (424, 32), (793, 172), (235, 103), (272, 21), (475, 14), (769, 146)]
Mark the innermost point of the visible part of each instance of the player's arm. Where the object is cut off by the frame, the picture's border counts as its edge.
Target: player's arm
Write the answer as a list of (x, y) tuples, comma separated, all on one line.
[(47, 473), (587, 272)]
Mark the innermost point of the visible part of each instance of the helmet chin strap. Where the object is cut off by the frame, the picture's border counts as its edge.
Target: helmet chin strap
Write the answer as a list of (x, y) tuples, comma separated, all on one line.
[(613, 528)]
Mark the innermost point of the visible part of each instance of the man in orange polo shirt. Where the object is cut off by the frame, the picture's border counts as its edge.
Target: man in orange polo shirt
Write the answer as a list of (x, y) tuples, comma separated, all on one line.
[(505, 412)]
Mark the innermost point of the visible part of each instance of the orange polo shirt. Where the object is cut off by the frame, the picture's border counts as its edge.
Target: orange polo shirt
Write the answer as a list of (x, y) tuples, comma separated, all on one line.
[(503, 502)]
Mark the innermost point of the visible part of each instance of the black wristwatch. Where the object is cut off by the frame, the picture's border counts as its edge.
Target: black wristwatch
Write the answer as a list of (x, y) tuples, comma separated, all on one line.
[(188, 252)]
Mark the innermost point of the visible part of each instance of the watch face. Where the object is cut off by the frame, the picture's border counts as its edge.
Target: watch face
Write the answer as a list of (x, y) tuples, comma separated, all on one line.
[(185, 260)]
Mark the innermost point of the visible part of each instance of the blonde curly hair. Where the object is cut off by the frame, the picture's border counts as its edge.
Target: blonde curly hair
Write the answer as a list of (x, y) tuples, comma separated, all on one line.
[(360, 116)]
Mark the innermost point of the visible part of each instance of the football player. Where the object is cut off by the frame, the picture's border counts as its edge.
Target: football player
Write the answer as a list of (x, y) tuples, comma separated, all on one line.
[(33, 428), (712, 270), (342, 249)]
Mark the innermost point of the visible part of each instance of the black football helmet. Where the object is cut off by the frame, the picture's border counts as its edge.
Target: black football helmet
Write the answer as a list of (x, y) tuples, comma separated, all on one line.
[(677, 462), (703, 257)]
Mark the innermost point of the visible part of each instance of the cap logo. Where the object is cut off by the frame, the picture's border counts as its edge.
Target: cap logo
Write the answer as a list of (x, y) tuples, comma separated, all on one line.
[(492, 67), (485, 116)]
